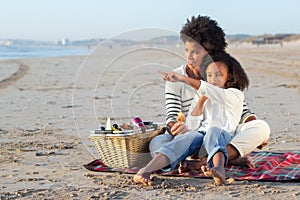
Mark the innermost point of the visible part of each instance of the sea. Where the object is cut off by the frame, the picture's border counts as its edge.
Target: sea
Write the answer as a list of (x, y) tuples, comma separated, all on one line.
[(21, 51)]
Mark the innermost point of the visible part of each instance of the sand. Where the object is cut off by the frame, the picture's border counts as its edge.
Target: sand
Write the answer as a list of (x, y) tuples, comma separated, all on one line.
[(48, 106)]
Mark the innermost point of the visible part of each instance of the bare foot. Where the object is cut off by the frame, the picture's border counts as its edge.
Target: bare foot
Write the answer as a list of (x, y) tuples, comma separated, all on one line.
[(218, 174), (143, 178), (245, 160), (192, 165)]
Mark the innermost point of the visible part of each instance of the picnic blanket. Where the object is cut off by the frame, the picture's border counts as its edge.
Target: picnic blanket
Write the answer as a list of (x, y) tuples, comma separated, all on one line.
[(270, 166)]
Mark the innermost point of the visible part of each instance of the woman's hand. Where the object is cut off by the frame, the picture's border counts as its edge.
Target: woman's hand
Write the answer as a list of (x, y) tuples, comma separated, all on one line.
[(179, 128), (172, 76)]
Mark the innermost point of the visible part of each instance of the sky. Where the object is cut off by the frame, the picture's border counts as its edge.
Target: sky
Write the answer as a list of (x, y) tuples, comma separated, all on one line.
[(86, 19)]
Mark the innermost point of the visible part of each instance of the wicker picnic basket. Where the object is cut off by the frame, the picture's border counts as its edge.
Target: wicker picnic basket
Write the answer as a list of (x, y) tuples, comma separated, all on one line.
[(125, 150)]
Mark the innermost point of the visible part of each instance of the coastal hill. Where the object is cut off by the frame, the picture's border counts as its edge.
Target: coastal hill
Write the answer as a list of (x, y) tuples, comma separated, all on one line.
[(170, 40)]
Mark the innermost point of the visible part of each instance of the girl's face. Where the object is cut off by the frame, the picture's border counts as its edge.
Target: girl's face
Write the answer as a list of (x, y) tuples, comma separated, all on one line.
[(217, 74), (194, 53)]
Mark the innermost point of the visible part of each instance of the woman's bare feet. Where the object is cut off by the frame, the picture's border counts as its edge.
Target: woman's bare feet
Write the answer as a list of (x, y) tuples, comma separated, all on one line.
[(192, 165), (143, 177), (245, 160), (218, 174)]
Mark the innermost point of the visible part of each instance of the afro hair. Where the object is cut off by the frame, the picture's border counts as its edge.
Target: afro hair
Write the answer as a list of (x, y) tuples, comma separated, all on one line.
[(206, 32)]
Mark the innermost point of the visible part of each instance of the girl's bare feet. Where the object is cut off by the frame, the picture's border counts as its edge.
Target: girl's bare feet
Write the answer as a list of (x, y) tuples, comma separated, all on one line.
[(218, 174), (143, 178)]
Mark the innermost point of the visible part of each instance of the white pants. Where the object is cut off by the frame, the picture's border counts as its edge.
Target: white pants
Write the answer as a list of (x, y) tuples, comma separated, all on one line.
[(248, 136)]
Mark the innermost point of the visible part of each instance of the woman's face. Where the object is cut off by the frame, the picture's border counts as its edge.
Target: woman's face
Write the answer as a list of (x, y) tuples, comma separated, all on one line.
[(217, 74), (194, 53)]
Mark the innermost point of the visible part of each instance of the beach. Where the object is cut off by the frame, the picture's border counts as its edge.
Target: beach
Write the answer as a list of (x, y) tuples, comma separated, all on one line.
[(49, 105)]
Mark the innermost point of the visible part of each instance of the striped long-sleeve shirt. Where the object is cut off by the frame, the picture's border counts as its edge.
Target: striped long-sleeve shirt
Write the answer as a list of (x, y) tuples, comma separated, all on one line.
[(179, 96)]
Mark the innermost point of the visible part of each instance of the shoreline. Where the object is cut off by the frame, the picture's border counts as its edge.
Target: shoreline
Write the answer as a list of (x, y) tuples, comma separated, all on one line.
[(43, 152)]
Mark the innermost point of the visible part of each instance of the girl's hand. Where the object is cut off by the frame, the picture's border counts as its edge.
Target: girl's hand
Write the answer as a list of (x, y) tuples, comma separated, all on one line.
[(179, 128), (172, 76)]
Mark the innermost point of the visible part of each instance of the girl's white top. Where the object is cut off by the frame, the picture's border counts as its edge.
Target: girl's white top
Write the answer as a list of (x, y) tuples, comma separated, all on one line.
[(223, 108)]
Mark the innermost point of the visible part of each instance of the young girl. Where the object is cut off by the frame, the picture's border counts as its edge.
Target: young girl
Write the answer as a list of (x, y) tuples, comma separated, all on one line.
[(218, 112), (218, 109)]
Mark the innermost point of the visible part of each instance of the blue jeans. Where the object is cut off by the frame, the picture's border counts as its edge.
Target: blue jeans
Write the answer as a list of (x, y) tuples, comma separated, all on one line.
[(181, 146), (216, 140)]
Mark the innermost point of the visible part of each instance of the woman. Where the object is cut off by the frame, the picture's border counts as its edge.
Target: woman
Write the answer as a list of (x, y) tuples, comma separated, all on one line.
[(202, 36)]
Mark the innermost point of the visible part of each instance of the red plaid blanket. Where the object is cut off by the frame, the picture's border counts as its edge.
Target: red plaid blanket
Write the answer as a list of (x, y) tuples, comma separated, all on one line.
[(270, 166)]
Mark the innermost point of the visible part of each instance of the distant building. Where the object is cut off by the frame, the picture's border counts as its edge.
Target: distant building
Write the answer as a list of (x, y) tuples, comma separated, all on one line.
[(276, 39), (62, 42), (65, 41), (6, 42)]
